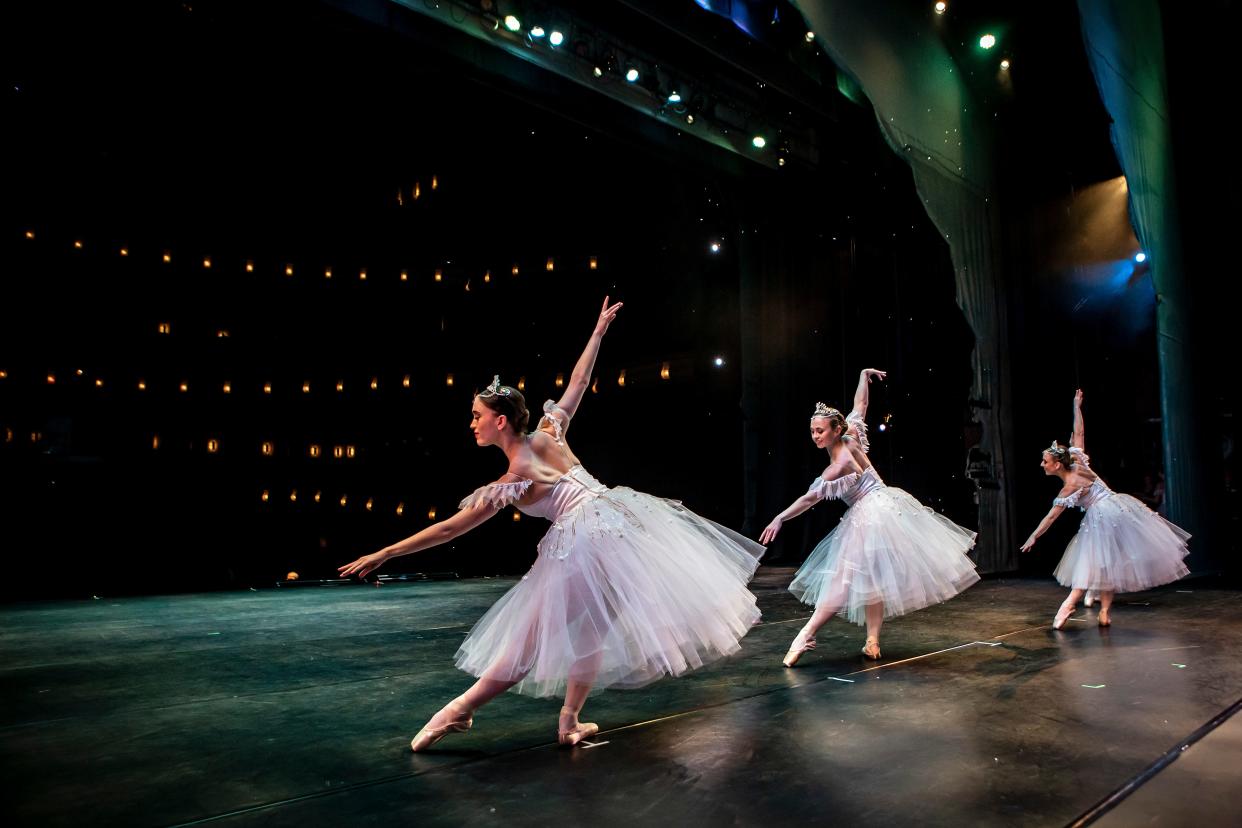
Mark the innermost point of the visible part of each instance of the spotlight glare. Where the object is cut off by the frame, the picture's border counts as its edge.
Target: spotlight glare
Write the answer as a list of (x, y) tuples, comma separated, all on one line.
[(674, 98), (597, 72), (537, 31), (556, 38), (941, 7), (512, 23), (1004, 64), (714, 247), (718, 362), (1140, 257), (810, 36), (631, 75), (987, 41), (759, 141)]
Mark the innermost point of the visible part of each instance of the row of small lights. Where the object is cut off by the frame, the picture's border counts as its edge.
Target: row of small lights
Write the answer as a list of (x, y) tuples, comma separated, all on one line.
[(406, 381), (438, 275), (266, 496), (632, 75)]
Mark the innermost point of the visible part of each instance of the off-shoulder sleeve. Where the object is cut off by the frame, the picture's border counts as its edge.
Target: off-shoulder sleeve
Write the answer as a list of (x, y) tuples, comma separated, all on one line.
[(860, 430), (1070, 500), (496, 495), (1080, 458), (832, 489), (556, 416)]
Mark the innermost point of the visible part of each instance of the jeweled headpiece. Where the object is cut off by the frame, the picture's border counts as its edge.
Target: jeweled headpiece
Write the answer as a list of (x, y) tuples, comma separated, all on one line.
[(822, 410), (496, 389)]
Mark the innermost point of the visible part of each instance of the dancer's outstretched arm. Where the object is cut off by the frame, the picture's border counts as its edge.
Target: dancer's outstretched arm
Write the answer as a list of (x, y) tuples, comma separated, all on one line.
[(434, 535), (1049, 519), (1078, 440), (862, 397), (801, 504), (580, 379)]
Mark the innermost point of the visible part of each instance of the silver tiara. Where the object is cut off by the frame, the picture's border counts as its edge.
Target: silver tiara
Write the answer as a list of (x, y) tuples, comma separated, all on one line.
[(1055, 447), (822, 410), (496, 389)]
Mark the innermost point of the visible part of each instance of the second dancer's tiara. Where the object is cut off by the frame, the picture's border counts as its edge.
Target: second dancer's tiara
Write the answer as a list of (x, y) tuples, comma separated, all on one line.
[(822, 410), (496, 389)]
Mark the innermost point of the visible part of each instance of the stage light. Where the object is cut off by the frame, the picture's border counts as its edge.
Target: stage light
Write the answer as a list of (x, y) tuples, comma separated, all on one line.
[(213, 446), (370, 504), (631, 75), (400, 509), (560, 380), (155, 441), (556, 38), (362, 275), (597, 72), (435, 182), (883, 427), (521, 386), (207, 264), (267, 388), (340, 386), (167, 258), (941, 7), (227, 388), (124, 251), (810, 37), (595, 386), (268, 449), (1004, 65), (449, 380), (77, 245), (51, 379), (405, 276), (250, 267), (184, 387), (99, 383), (621, 379), (344, 500), (431, 513), (987, 41), (551, 265), (338, 452), (306, 387), (315, 451), (689, 119), (512, 23), (293, 498), (417, 191), (516, 515), (1140, 257), (593, 263), (714, 247), (718, 362), (405, 381), (374, 383), (30, 234), (165, 328), (142, 386), (487, 277), (265, 496), (327, 273), (439, 275), (515, 270), (350, 451), (759, 141), (674, 98), (288, 270), (318, 496), (79, 372), (664, 373), (537, 31)]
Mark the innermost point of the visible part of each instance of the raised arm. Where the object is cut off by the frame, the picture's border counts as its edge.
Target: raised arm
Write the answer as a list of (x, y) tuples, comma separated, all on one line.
[(1078, 439), (1049, 519), (580, 379), (434, 535), (862, 397)]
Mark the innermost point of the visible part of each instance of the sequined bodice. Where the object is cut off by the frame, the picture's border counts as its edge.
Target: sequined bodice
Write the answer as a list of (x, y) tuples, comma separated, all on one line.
[(576, 486), (867, 483)]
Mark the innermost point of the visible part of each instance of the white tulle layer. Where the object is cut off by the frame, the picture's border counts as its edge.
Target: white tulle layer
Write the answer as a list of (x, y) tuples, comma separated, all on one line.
[(888, 548), (627, 588), (1123, 546)]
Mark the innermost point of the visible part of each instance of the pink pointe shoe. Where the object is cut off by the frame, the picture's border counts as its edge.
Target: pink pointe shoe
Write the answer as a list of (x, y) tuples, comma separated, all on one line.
[(428, 736), (801, 643), (871, 649), (577, 733), (1063, 614)]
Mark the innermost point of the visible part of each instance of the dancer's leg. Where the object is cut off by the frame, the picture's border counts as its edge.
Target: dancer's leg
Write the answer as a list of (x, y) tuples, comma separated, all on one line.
[(875, 620), (1106, 603), (1067, 609), (805, 639)]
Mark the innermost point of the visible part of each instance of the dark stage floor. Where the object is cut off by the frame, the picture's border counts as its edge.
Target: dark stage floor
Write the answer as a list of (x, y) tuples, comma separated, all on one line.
[(296, 707)]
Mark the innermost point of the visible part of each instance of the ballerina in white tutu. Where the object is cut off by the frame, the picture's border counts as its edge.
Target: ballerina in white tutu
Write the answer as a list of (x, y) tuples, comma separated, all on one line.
[(627, 587), (1121, 545), (889, 555)]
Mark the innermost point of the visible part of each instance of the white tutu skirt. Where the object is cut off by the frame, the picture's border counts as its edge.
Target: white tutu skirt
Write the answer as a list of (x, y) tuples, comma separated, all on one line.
[(1123, 546), (627, 588), (888, 548)]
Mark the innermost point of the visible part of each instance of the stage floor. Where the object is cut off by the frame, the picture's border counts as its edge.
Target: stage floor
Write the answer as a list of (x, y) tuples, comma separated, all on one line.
[(296, 707)]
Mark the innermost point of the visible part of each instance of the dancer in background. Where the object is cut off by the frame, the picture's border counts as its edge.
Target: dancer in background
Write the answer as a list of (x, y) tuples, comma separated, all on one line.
[(889, 555), (627, 587), (1121, 545)]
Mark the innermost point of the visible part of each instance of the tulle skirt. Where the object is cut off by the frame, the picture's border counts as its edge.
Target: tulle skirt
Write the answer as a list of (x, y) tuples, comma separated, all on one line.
[(627, 588), (888, 548), (1123, 546)]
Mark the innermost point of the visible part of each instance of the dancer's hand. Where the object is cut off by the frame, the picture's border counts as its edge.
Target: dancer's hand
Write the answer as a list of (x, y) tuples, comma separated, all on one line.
[(874, 373), (1078, 398), (364, 565), (769, 534), (606, 314), (1026, 547)]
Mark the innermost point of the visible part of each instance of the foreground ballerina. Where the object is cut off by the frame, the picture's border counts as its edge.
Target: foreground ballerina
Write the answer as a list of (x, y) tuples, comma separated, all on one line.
[(627, 587), (1121, 545), (890, 554)]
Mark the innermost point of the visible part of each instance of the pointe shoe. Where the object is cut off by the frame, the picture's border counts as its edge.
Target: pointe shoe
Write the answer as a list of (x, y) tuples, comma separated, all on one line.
[(796, 649), (1063, 614), (871, 649), (577, 733), (428, 736), (1103, 619), (1088, 600)]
